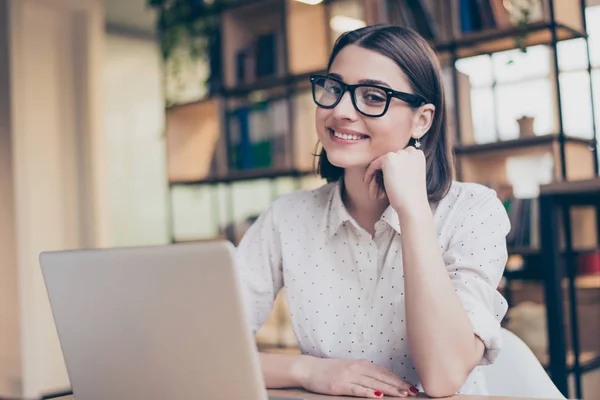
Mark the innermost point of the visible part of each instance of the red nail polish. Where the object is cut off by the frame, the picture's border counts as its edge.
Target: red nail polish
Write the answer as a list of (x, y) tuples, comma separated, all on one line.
[(414, 390), (378, 394)]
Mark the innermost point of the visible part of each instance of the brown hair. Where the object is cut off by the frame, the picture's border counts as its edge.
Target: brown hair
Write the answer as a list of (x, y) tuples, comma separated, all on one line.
[(419, 62)]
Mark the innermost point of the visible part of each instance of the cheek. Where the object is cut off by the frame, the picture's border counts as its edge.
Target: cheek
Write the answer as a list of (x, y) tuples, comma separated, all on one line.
[(321, 116), (391, 134)]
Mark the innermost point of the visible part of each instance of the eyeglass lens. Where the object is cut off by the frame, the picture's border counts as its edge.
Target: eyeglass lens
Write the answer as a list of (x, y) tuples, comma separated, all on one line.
[(368, 99)]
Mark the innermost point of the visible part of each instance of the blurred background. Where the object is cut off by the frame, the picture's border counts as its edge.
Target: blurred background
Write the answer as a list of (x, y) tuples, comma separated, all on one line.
[(145, 122)]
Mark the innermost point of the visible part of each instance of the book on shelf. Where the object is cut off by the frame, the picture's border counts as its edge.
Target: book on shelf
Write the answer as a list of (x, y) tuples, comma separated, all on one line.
[(478, 15), (441, 21), (258, 60), (523, 214), (420, 15), (253, 42), (258, 134)]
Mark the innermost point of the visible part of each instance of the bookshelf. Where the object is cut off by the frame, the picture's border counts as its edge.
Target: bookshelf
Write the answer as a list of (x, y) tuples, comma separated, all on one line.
[(256, 123), (253, 123), (251, 138)]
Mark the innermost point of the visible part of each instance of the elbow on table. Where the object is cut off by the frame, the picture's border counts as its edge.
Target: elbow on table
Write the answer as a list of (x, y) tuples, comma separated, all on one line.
[(445, 386)]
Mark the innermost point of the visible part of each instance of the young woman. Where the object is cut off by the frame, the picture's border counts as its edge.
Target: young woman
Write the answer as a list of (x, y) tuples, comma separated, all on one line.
[(390, 269)]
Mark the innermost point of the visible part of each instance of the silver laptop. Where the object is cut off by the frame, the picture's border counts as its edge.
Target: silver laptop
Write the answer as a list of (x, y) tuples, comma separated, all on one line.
[(164, 322)]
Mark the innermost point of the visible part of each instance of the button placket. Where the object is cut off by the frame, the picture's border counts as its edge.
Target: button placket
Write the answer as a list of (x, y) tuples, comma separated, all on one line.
[(363, 256)]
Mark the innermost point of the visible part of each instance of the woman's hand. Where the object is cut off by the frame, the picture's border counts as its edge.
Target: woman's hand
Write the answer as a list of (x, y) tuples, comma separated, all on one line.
[(359, 378), (404, 179)]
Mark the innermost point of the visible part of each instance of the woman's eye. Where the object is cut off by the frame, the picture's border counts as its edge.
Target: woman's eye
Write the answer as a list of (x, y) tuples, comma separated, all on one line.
[(332, 89), (373, 97)]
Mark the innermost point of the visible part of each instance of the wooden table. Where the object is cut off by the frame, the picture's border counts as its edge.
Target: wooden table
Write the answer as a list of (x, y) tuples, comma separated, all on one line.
[(298, 394), (304, 395)]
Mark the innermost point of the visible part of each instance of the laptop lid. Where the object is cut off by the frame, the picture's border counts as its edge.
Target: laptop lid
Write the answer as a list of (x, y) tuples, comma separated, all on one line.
[(163, 322)]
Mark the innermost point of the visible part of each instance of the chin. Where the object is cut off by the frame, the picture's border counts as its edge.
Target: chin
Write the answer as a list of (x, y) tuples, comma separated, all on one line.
[(346, 161)]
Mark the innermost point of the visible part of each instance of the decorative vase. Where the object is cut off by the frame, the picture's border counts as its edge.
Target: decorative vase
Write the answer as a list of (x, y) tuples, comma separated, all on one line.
[(526, 126)]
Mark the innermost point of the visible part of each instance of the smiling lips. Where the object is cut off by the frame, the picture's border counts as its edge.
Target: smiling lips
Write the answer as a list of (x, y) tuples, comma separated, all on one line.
[(346, 135)]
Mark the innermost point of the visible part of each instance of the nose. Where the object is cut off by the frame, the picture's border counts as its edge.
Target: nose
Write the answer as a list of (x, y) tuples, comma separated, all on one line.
[(345, 110)]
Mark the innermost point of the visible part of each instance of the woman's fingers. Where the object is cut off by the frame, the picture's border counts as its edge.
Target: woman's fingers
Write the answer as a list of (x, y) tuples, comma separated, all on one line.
[(353, 389), (373, 167), (386, 376), (374, 178), (373, 190), (382, 387)]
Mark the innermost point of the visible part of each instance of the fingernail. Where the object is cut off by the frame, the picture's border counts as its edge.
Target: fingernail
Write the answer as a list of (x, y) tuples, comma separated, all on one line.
[(403, 393), (378, 394), (414, 390)]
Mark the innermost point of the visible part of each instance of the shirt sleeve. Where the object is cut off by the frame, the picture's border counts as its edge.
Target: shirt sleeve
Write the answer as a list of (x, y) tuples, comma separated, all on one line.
[(475, 259), (259, 266)]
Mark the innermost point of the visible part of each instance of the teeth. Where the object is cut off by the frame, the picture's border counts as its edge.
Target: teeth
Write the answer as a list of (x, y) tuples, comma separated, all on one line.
[(347, 137)]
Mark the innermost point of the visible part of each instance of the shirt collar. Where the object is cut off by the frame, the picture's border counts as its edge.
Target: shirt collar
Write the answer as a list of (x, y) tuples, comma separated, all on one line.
[(390, 216), (339, 215)]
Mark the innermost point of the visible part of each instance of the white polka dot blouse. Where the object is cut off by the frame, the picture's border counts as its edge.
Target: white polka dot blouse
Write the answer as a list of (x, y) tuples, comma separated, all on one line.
[(345, 288)]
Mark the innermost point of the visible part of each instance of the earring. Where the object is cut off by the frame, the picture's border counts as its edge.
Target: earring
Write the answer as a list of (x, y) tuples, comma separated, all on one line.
[(417, 144)]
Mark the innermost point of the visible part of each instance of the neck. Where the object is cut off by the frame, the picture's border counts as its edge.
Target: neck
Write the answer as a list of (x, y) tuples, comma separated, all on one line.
[(355, 195)]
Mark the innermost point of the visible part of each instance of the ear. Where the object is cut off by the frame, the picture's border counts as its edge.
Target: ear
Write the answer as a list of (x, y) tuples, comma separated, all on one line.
[(423, 120)]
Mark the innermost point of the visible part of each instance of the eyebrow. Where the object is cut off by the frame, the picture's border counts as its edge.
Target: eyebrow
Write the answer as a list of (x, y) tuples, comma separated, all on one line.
[(364, 81)]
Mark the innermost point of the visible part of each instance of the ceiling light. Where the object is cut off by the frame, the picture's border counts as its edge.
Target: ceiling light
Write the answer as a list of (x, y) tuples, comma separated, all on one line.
[(310, 2), (340, 23)]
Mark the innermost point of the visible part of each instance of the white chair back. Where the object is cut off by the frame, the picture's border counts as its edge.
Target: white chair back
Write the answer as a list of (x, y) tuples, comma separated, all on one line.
[(516, 372)]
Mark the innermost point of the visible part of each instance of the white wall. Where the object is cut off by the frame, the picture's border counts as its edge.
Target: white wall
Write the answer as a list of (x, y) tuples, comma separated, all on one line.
[(10, 365), (81, 164), (55, 101), (135, 155)]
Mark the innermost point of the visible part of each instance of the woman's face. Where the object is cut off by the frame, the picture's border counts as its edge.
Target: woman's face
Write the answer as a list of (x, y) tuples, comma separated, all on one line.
[(353, 140)]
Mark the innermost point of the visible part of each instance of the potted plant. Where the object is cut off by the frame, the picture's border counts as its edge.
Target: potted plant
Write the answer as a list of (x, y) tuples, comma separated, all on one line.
[(520, 12), (188, 32)]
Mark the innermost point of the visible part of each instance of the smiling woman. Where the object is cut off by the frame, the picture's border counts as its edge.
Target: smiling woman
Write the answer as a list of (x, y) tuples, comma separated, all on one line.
[(407, 78), (391, 281)]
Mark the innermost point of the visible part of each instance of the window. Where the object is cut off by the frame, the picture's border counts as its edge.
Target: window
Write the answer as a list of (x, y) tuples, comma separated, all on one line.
[(507, 85), (504, 87)]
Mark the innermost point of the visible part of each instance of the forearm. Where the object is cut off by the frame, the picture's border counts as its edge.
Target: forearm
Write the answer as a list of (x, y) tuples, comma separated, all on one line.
[(283, 370), (442, 344)]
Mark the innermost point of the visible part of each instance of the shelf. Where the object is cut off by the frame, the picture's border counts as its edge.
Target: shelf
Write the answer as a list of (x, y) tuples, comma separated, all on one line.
[(208, 11), (588, 361), (495, 40), (486, 163), (518, 144), (524, 274), (239, 176), (174, 106), (582, 282), (270, 83), (587, 282), (584, 187), (523, 251)]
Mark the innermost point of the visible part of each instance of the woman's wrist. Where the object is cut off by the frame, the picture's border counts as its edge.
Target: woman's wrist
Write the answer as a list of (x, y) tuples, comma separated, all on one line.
[(418, 212), (416, 204), (300, 370)]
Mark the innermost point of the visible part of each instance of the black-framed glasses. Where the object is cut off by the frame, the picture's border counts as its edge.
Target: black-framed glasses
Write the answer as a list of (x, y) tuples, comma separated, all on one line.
[(369, 100)]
